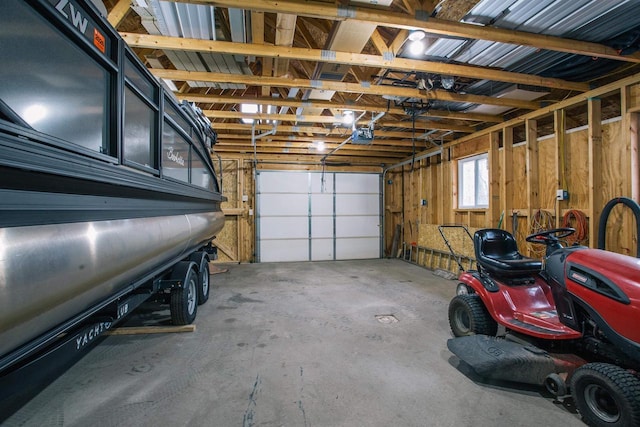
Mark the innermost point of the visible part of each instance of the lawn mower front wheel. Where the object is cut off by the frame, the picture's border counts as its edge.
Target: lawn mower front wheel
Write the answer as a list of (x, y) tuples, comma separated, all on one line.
[(469, 316)]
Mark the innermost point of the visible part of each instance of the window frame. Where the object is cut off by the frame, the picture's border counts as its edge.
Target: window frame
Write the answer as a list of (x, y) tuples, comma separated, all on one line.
[(153, 103), (476, 176)]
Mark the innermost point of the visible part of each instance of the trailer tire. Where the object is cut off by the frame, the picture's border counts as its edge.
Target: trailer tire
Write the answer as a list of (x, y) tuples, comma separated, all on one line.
[(183, 304), (606, 395), (469, 316), (204, 279)]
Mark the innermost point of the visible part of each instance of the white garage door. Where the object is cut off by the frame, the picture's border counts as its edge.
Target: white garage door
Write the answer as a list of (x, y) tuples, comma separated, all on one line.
[(310, 216)]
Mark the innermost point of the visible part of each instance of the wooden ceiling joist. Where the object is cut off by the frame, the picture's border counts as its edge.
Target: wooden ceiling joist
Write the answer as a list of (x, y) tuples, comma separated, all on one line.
[(118, 12), (280, 102), (387, 18), (396, 91), (422, 124), (335, 57)]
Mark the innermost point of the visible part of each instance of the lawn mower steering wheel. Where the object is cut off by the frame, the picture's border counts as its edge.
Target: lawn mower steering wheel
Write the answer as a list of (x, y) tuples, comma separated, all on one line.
[(548, 237)]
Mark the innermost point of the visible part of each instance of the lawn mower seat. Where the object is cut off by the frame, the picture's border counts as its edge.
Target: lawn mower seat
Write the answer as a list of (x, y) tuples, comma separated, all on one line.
[(497, 252)]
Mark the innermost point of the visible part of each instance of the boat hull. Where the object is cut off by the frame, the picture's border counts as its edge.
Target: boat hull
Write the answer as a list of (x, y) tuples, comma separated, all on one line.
[(50, 273)]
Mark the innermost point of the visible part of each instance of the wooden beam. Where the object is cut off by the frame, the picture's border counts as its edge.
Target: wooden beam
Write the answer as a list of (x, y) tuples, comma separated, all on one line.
[(441, 95), (395, 151), (559, 125), (386, 18), (378, 42), (494, 180), (532, 171), (596, 196), (118, 12), (280, 102), (311, 151), (506, 177), (420, 125), (351, 58), (285, 31)]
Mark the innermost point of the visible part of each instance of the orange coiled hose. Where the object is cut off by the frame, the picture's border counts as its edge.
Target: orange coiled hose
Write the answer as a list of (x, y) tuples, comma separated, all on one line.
[(581, 225)]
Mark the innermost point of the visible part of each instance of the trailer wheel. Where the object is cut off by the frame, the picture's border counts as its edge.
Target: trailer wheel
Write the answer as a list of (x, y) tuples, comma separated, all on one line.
[(203, 280), (606, 395), (469, 316), (184, 301)]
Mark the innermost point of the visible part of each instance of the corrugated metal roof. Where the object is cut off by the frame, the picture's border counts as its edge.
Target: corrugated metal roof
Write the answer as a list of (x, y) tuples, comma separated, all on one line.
[(587, 20), (190, 21)]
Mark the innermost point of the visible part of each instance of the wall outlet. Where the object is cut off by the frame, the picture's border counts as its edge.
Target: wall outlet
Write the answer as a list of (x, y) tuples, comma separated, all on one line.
[(245, 198), (562, 195)]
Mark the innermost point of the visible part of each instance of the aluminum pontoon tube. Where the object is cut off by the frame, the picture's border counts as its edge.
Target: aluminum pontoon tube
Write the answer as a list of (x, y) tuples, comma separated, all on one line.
[(50, 273)]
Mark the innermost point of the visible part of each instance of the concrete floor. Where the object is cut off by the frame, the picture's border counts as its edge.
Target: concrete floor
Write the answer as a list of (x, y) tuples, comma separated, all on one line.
[(295, 344)]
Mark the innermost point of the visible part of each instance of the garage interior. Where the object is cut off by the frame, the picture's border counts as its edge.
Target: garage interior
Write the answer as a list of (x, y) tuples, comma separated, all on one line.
[(546, 92), (347, 133)]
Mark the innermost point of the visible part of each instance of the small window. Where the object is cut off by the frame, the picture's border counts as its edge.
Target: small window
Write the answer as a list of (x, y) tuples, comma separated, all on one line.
[(176, 116), (139, 130), (175, 154), (139, 80), (200, 174), (473, 178)]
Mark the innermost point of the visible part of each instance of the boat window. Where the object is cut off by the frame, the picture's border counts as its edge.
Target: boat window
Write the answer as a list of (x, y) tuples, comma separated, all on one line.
[(175, 154), (135, 77), (172, 112), (67, 98), (139, 130), (200, 174)]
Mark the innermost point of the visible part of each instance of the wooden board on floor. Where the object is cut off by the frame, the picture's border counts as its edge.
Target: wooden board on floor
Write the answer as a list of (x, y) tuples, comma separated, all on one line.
[(142, 330)]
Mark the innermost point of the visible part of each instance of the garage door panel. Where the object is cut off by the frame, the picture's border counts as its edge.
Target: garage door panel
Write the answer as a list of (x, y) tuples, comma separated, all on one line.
[(321, 204), (283, 182), (357, 204), (322, 249), (316, 183), (283, 204), (359, 248), (357, 226), (357, 183), (284, 250), (322, 227), (284, 227)]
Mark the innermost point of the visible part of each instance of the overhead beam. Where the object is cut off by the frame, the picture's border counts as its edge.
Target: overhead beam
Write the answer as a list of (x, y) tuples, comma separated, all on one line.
[(440, 95), (385, 18), (421, 125), (118, 12), (350, 58), (280, 102), (397, 149)]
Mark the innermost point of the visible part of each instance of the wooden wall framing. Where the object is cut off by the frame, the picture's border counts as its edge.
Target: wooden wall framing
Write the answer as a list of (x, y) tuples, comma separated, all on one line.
[(595, 164)]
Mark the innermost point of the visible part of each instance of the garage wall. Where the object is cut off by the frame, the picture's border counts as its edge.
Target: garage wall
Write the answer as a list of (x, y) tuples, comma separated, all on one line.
[(313, 216)]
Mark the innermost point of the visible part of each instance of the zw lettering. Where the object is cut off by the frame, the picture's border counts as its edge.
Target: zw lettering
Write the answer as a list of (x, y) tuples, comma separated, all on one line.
[(76, 17)]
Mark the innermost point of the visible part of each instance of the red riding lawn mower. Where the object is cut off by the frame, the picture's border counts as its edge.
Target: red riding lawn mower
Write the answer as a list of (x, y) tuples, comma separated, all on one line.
[(572, 321)]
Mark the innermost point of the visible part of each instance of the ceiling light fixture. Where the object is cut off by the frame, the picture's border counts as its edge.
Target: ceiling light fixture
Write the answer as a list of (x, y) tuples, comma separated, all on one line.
[(416, 35), (347, 117), (416, 48), (447, 82)]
